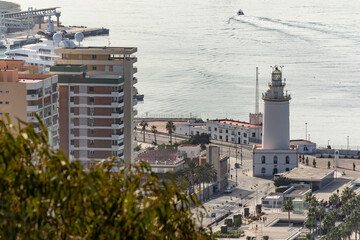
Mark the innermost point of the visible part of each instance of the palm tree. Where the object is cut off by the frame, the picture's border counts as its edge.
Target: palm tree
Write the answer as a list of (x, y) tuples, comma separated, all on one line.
[(143, 125), (170, 127), (191, 174), (347, 194), (310, 222), (288, 207), (309, 197), (153, 130), (320, 212), (334, 200), (210, 173)]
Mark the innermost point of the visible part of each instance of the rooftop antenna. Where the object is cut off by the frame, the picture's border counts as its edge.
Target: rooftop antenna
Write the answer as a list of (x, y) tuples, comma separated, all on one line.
[(257, 94), (79, 36), (29, 22)]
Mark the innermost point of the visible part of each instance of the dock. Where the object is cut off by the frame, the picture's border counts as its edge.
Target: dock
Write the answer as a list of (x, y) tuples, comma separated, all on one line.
[(18, 39)]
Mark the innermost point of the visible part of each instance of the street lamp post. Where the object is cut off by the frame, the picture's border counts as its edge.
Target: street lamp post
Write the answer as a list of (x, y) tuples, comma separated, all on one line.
[(306, 131)]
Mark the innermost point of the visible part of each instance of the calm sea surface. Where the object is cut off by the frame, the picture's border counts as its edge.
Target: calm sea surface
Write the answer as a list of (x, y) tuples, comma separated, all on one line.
[(195, 56)]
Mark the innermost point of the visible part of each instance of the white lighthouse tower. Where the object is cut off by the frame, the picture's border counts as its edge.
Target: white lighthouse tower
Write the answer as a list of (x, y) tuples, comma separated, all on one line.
[(274, 155)]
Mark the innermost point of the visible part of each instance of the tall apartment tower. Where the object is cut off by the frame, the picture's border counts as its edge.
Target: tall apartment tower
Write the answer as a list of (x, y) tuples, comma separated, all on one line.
[(22, 95), (275, 155), (110, 66)]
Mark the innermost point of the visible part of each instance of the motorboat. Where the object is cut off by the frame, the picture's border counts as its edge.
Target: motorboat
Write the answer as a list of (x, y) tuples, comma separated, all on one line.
[(240, 12)]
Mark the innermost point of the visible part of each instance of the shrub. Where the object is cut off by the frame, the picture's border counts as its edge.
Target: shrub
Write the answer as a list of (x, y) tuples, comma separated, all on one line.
[(44, 196), (229, 234)]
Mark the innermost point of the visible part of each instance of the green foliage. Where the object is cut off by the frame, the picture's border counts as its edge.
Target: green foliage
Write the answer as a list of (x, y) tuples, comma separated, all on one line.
[(170, 127), (329, 164), (282, 181), (168, 146), (314, 163), (144, 125), (44, 196), (229, 234), (347, 194), (137, 148), (307, 161), (202, 139)]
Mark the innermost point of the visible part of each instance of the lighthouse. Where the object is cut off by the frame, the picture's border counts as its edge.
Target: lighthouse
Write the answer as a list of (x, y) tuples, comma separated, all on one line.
[(274, 155), (276, 133)]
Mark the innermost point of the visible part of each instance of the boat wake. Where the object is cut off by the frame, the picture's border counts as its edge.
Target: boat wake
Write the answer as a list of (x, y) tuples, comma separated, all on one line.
[(301, 30)]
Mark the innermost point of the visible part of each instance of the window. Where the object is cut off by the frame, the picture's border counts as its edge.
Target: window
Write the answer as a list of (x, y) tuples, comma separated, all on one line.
[(92, 100), (91, 131), (94, 68), (215, 129), (71, 88), (71, 99), (245, 134), (91, 122), (263, 170), (71, 110), (7, 92), (72, 152), (220, 137), (114, 153), (72, 131), (91, 153), (209, 128), (1, 102), (287, 160), (275, 159), (263, 160), (93, 57), (287, 169), (253, 134), (72, 141), (91, 89), (91, 142), (226, 131), (92, 110), (6, 102), (114, 142)]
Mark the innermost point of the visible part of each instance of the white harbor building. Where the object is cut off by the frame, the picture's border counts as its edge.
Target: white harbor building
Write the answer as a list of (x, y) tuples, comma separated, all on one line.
[(274, 155)]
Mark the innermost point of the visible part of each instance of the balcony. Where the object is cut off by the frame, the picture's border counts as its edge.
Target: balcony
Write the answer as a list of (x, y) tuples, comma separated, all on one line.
[(134, 70), (33, 97)]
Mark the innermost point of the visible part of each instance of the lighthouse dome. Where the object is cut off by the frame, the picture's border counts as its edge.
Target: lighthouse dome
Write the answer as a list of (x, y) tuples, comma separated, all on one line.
[(276, 74)]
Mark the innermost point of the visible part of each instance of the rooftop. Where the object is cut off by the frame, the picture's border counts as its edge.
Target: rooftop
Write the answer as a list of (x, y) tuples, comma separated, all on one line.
[(98, 50), (160, 156), (308, 173), (86, 80), (301, 141), (68, 68), (190, 146), (234, 122)]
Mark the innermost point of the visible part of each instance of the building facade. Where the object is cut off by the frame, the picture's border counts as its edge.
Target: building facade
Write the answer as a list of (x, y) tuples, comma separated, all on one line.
[(226, 130), (274, 155), (110, 63), (92, 114), (220, 164), (25, 95)]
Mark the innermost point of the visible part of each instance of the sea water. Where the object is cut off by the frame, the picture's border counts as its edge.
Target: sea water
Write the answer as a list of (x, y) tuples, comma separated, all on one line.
[(197, 58)]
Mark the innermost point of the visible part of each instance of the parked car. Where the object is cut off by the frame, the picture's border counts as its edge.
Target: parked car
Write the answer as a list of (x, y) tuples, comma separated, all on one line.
[(228, 190)]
